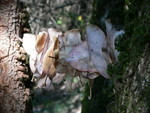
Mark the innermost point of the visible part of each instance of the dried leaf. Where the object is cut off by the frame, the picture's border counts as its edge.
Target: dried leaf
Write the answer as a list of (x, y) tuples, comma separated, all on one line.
[(71, 37), (90, 75), (49, 63), (50, 58), (38, 63), (79, 58), (71, 71), (63, 54), (32, 64), (91, 82), (41, 41), (96, 42), (53, 33), (58, 78), (29, 44), (61, 68), (111, 36), (44, 83)]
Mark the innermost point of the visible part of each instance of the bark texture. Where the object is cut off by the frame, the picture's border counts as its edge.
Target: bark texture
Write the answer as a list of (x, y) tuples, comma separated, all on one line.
[(14, 94), (129, 86), (133, 94)]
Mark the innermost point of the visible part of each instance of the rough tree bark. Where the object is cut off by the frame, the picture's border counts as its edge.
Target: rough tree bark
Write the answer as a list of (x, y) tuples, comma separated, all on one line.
[(14, 90), (130, 76)]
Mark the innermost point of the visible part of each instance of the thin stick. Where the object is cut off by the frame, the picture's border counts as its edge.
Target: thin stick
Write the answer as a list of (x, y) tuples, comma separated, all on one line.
[(52, 57)]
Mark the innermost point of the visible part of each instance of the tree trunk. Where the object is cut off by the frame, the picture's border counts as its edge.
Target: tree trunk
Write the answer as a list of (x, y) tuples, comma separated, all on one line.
[(128, 90), (14, 90)]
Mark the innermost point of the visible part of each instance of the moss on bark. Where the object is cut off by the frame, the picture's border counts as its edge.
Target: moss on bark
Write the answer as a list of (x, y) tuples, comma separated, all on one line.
[(130, 75)]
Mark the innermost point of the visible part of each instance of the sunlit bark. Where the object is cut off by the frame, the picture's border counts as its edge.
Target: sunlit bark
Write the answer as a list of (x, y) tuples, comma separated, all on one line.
[(14, 94)]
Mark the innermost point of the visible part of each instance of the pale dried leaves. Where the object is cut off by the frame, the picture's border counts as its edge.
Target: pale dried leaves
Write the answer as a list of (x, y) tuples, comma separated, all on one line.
[(54, 52)]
